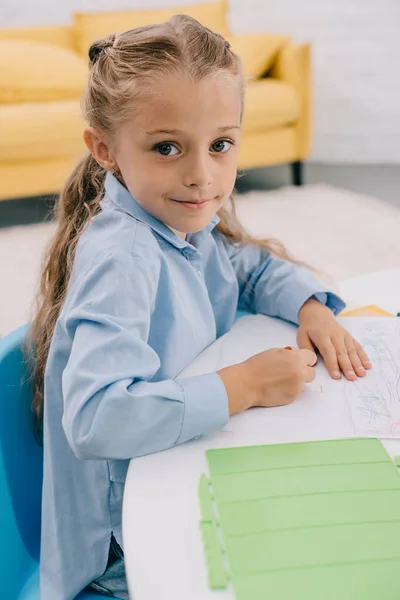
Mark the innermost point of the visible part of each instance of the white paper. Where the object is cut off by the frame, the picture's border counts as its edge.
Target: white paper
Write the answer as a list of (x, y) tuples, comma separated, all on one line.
[(327, 408), (373, 403)]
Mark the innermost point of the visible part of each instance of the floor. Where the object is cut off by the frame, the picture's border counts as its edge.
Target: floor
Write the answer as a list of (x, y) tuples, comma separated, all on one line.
[(379, 181)]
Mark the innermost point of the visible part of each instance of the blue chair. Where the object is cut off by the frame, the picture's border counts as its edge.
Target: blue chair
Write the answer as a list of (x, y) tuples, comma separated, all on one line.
[(21, 473)]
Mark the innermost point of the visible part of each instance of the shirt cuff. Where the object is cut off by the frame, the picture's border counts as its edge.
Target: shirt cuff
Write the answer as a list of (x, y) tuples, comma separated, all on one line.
[(331, 300), (293, 301), (206, 406)]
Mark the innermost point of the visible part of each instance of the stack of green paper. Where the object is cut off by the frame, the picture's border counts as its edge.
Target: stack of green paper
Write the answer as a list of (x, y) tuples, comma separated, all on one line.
[(303, 521)]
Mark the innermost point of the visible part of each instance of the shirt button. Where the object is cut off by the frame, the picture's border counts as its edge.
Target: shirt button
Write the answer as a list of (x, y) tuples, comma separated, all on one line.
[(199, 273)]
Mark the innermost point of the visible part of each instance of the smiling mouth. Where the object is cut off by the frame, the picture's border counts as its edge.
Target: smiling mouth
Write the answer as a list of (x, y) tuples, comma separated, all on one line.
[(193, 204)]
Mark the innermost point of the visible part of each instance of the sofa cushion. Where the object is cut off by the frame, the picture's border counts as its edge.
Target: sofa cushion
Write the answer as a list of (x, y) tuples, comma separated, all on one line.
[(269, 104), (34, 131), (34, 72), (92, 26), (58, 35), (257, 51)]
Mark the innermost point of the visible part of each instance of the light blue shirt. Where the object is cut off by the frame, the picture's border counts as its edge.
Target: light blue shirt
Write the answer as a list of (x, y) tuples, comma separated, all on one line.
[(142, 303)]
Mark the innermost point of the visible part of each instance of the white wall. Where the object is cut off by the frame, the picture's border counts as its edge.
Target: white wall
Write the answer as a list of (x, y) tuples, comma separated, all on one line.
[(356, 62), (356, 70)]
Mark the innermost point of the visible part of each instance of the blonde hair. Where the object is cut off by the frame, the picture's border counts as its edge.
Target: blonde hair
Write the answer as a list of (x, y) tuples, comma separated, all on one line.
[(120, 65)]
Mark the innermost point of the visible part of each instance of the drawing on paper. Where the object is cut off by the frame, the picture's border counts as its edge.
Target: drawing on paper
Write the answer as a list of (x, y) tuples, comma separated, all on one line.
[(373, 403)]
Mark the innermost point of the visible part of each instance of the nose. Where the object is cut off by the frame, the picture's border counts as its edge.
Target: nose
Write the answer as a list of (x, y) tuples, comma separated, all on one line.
[(198, 172)]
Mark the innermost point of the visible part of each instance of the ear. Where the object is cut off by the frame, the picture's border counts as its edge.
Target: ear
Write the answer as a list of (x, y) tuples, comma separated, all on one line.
[(98, 147)]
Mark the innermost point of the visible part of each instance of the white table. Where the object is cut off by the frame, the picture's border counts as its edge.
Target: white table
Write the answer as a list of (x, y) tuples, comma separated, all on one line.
[(162, 541), (381, 288)]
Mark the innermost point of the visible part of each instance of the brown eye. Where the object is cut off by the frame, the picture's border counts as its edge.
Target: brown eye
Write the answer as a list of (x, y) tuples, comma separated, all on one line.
[(165, 149), (221, 146)]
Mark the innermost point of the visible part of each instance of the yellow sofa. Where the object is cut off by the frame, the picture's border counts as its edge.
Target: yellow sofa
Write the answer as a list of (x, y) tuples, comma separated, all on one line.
[(43, 72)]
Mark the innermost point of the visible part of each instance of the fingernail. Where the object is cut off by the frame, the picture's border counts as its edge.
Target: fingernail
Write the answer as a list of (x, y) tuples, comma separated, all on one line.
[(351, 373), (361, 369), (367, 363), (336, 374)]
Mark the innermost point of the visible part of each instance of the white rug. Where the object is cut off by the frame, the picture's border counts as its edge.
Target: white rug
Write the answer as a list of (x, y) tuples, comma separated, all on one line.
[(340, 233)]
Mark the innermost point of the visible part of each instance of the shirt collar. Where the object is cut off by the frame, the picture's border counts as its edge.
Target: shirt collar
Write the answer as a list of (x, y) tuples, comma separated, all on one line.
[(121, 197)]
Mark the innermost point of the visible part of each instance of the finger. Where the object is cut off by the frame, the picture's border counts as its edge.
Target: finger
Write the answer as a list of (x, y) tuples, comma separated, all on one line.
[(344, 361), (309, 374), (363, 355), (304, 341), (354, 358), (309, 357), (328, 353)]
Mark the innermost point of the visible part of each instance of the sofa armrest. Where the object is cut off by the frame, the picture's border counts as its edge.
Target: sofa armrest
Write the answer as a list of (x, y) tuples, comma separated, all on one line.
[(293, 66)]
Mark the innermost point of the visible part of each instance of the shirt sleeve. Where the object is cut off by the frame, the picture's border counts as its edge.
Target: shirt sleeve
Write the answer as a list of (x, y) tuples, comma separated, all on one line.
[(274, 286), (112, 408)]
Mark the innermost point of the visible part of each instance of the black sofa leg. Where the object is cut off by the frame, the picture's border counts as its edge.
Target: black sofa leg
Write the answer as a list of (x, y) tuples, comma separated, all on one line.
[(297, 172)]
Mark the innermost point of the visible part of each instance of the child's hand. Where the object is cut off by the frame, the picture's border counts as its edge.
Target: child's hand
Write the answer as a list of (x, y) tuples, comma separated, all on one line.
[(319, 329), (272, 378)]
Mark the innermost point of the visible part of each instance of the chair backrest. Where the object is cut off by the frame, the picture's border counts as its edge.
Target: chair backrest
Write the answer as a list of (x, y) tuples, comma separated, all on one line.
[(21, 471)]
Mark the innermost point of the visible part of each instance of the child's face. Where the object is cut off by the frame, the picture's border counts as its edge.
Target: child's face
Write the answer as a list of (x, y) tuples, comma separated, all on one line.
[(178, 153)]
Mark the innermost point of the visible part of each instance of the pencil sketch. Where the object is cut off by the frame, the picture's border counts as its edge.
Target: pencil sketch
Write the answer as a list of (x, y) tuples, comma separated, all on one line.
[(373, 403)]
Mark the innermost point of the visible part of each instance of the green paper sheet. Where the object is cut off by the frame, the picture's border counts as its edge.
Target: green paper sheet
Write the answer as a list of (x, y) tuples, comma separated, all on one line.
[(303, 521)]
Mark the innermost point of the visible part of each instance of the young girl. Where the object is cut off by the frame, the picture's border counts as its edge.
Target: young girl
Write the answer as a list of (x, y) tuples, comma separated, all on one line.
[(147, 268)]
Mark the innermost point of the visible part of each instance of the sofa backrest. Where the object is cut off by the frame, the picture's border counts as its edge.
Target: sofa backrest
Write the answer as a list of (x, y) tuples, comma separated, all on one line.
[(86, 27)]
